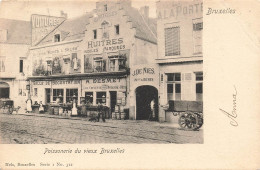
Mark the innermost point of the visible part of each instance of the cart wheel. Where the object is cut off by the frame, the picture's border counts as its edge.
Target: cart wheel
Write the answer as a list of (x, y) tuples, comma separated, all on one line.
[(200, 120), (188, 121)]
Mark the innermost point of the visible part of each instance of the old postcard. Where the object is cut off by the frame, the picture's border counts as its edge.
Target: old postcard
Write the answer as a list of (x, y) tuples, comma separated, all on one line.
[(121, 84)]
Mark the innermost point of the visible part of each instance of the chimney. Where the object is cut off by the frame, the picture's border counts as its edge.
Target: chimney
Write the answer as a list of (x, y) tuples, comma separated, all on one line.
[(64, 15), (144, 11)]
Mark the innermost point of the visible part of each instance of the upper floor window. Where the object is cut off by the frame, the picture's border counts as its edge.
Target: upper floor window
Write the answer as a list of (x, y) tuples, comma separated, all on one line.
[(2, 64), (57, 38), (117, 29), (21, 66), (172, 41), (95, 34), (197, 35), (105, 7), (99, 64)]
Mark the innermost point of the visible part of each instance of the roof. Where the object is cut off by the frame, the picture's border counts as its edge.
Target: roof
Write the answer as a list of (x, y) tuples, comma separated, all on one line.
[(70, 29), (145, 27), (18, 31)]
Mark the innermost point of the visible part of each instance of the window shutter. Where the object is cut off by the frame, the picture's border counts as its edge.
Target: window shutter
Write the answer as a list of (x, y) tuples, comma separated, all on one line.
[(172, 41)]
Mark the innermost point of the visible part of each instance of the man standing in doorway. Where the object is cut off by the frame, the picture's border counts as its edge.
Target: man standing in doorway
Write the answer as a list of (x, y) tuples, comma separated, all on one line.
[(152, 112)]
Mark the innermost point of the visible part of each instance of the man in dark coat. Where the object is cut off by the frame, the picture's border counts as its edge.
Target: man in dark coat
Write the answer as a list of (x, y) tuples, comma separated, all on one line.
[(101, 112)]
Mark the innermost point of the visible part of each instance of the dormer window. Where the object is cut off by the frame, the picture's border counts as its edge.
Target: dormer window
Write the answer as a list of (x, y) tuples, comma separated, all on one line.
[(57, 38), (105, 7)]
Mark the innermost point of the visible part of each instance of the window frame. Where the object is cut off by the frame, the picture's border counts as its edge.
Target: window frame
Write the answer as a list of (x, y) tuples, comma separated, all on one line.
[(174, 83)]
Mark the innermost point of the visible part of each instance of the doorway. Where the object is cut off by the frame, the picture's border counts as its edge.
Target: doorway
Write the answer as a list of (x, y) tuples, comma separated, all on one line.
[(144, 97), (112, 100), (4, 90)]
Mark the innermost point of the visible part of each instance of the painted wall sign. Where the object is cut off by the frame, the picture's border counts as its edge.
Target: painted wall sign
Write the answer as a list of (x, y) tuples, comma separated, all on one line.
[(108, 45), (173, 9), (43, 25), (143, 71), (56, 51)]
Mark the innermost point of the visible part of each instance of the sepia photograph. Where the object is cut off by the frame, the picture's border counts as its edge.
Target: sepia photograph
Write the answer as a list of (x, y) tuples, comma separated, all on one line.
[(129, 84), (117, 72)]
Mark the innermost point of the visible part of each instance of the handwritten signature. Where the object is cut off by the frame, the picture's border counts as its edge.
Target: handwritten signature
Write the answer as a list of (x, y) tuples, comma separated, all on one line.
[(233, 114)]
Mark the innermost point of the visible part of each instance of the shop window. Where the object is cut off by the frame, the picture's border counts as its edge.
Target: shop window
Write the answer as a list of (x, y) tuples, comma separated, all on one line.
[(174, 86), (35, 92), (57, 38), (197, 35), (48, 95), (89, 97), (21, 66), (70, 94), (2, 64), (95, 34), (101, 98), (199, 86), (117, 29), (100, 64), (58, 93), (172, 41)]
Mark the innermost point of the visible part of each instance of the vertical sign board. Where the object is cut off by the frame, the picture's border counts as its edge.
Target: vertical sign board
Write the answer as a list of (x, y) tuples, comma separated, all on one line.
[(42, 25)]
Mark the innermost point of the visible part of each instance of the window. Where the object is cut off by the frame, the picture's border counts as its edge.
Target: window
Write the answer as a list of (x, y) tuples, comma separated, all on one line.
[(112, 65), (101, 98), (2, 64), (105, 7), (174, 86), (117, 29), (95, 34), (21, 66), (58, 93), (70, 94), (105, 33), (89, 97), (172, 41), (199, 86), (88, 66), (57, 38), (197, 35), (48, 95), (100, 64), (35, 92)]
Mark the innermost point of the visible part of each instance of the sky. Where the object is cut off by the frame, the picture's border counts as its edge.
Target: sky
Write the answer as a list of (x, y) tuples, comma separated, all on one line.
[(22, 9)]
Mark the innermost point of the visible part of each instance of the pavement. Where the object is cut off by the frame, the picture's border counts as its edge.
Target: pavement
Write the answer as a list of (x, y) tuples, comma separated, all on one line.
[(31, 128)]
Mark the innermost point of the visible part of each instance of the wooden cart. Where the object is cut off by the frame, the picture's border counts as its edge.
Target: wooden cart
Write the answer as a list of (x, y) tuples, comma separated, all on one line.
[(190, 112)]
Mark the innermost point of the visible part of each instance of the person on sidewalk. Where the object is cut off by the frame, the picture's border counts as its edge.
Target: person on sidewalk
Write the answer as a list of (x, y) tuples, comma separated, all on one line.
[(152, 111), (100, 109), (41, 108), (29, 105)]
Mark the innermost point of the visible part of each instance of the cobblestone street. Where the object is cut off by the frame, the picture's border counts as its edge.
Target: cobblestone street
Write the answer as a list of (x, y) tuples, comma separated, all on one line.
[(41, 129)]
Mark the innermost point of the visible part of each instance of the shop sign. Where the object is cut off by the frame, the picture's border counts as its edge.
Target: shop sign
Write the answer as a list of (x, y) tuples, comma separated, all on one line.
[(144, 74), (176, 9), (106, 87), (56, 82), (103, 80), (42, 25), (57, 51), (107, 45)]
